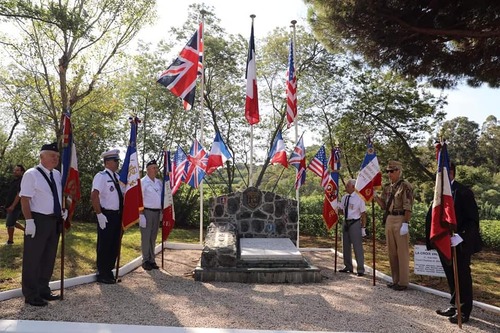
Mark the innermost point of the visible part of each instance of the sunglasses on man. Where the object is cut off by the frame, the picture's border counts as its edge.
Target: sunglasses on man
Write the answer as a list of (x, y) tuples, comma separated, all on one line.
[(391, 171)]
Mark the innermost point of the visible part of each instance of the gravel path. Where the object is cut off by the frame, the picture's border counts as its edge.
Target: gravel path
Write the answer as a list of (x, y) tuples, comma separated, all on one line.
[(341, 302)]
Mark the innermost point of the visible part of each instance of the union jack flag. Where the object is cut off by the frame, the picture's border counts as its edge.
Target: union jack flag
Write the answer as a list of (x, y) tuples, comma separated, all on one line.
[(180, 76), (318, 165), (291, 89), (197, 165), (298, 160), (178, 169), (334, 161)]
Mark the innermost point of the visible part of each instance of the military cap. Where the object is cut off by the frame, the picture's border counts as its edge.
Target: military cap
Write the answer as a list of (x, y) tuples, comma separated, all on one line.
[(113, 154), (152, 162), (394, 165), (50, 147)]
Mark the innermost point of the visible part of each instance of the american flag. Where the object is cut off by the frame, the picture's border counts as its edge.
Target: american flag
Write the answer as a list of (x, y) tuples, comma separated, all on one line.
[(180, 76), (178, 169), (252, 100), (197, 165), (298, 160), (291, 89), (318, 164)]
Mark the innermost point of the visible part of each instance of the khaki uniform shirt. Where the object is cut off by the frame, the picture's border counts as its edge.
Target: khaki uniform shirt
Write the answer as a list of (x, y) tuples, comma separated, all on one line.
[(403, 196)]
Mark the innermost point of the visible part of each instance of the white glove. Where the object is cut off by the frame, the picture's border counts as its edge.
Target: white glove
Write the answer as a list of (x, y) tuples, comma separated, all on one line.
[(142, 221), (455, 240), (64, 214), (363, 232), (30, 229), (102, 219), (404, 229)]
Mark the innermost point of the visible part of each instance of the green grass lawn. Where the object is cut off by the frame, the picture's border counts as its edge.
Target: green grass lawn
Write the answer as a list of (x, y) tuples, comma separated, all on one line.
[(80, 251), (81, 243)]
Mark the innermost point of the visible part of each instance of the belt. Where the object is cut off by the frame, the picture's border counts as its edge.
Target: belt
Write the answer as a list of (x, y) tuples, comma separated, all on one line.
[(46, 215), (109, 210), (398, 212), (352, 220), (153, 209)]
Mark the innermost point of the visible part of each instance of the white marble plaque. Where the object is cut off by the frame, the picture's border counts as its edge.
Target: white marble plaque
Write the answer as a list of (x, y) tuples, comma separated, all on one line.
[(269, 249)]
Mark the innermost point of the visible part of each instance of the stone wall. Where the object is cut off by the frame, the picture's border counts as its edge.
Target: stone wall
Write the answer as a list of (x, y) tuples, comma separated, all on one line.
[(256, 214)]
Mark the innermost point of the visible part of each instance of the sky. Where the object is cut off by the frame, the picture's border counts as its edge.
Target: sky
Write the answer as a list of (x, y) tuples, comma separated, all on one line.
[(474, 103)]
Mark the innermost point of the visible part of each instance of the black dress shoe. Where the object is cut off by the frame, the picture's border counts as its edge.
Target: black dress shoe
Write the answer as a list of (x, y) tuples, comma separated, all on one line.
[(345, 270), (399, 288), (451, 311), (50, 297), (106, 280), (37, 301), (154, 265), (361, 274), (454, 319), (390, 285), (147, 266)]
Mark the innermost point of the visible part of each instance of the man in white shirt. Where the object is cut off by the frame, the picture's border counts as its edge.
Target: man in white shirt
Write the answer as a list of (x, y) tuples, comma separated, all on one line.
[(149, 220), (354, 210), (41, 193), (107, 201)]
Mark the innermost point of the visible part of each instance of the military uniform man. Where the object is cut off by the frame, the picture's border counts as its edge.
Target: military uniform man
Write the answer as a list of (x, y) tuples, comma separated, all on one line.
[(397, 201), (149, 220), (107, 201)]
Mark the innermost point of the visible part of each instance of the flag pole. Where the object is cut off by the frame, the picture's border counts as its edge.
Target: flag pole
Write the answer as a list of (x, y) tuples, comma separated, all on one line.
[(61, 294), (202, 88), (373, 238), (165, 171), (455, 264), (297, 192), (250, 180)]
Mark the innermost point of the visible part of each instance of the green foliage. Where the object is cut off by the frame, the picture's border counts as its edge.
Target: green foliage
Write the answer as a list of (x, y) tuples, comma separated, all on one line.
[(311, 218), (462, 136), (440, 40), (490, 233)]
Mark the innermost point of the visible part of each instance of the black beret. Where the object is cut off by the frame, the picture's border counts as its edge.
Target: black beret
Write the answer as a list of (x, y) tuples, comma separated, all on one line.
[(152, 162), (50, 146)]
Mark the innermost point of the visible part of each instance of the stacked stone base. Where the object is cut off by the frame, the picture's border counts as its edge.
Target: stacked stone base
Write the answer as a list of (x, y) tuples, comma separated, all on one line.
[(261, 261), (259, 275)]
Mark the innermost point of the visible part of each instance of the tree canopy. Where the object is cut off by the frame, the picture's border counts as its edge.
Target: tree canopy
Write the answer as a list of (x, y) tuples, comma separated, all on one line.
[(444, 41)]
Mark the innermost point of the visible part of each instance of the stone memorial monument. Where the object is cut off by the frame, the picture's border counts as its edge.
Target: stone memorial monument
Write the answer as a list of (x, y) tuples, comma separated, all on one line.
[(251, 238)]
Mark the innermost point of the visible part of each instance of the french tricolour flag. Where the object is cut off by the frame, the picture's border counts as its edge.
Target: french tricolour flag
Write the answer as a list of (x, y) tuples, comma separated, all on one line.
[(219, 154), (443, 208), (129, 175), (278, 152), (369, 177)]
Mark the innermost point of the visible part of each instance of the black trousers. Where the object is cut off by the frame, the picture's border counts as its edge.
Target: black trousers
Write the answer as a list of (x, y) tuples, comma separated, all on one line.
[(39, 256), (108, 242), (464, 280)]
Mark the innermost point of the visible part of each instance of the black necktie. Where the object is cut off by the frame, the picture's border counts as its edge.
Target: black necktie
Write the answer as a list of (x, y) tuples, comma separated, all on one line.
[(346, 210), (57, 205), (119, 190)]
